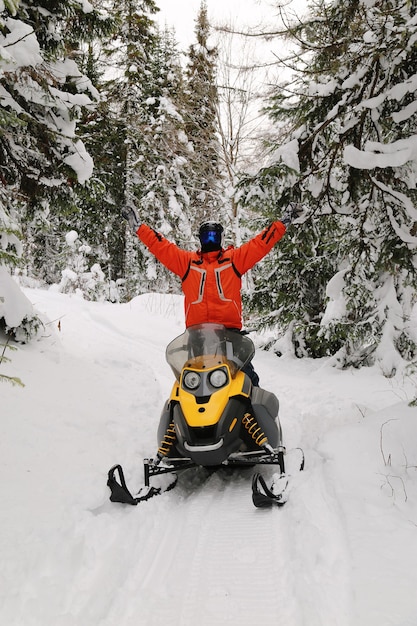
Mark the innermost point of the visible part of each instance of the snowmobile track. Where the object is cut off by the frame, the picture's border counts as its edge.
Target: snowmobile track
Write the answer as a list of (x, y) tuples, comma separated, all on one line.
[(224, 572)]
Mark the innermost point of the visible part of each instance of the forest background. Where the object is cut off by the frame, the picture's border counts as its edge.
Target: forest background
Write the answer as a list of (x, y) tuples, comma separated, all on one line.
[(99, 108)]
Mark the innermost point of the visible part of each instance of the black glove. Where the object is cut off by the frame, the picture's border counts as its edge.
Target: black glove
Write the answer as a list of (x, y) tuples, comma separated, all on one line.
[(129, 213), (291, 213)]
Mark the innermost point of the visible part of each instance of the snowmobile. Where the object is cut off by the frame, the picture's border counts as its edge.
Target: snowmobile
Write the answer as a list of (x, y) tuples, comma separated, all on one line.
[(215, 417)]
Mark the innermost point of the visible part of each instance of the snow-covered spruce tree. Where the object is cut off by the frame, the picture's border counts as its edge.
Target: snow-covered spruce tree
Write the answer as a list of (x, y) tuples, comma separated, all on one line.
[(163, 169), (139, 147), (41, 94), (205, 188), (10, 235), (95, 210), (118, 140), (75, 206), (129, 55), (155, 150), (346, 150)]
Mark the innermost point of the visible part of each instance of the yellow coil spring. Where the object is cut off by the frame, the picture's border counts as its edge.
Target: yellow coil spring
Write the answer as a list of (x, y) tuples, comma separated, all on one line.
[(253, 428), (168, 440)]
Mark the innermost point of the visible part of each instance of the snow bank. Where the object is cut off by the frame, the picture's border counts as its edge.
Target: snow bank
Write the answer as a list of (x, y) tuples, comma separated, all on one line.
[(14, 305)]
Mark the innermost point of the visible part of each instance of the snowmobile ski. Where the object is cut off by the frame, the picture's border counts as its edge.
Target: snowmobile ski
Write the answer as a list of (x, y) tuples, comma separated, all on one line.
[(263, 497), (120, 492)]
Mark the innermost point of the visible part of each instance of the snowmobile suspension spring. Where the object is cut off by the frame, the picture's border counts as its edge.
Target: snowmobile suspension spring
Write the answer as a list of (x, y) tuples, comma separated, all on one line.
[(253, 428), (168, 441)]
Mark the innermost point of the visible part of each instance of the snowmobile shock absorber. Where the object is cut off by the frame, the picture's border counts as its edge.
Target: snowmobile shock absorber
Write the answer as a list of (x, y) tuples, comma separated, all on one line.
[(168, 441), (253, 428)]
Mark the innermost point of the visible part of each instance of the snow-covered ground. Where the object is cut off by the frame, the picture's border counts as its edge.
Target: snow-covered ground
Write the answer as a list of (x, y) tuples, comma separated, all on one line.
[(342, 552)]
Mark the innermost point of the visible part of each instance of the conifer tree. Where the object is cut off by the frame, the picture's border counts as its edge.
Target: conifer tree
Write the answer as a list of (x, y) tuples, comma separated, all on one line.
[(205, 188), (96, 212), (42, 92), (147, 99), (346, 130), (40, 101), (78, 206), (164, 168), (128, 54)]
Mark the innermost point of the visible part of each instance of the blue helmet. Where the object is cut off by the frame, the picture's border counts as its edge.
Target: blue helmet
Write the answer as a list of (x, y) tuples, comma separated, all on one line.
[(210, 235)]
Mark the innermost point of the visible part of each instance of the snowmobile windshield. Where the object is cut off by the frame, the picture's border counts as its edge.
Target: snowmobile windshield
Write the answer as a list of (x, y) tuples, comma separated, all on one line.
[(205, 345)]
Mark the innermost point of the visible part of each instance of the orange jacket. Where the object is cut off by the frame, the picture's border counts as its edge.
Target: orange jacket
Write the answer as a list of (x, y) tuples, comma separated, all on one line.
[(211, 281)]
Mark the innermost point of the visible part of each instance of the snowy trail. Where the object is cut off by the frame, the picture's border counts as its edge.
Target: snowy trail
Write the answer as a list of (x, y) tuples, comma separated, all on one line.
[(228, 557), (200, 554), (210, 557)]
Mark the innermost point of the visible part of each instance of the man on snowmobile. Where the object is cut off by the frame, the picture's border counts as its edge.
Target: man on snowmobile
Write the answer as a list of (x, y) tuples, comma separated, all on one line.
[(211, 277)]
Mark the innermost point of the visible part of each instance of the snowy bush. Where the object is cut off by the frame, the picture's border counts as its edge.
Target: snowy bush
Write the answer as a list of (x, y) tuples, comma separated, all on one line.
[(17, 317), (77, 277)]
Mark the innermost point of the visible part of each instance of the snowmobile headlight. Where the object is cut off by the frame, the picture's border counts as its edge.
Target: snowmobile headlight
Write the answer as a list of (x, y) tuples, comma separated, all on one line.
[(218, 378), (191, 380)]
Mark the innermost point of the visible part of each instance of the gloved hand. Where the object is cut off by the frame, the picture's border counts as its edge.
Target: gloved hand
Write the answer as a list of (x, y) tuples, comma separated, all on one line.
[(291, 213), (129, 213)]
